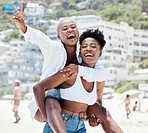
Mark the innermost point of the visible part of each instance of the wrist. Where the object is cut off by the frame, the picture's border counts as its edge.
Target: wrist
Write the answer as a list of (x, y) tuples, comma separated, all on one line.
[(24, 29)]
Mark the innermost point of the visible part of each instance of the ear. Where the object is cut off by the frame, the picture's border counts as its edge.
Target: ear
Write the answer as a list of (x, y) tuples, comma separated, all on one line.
[(58, 37), (100, 53)]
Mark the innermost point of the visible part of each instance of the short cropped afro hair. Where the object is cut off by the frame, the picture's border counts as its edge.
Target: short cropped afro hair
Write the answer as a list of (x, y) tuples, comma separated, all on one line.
[(93, 33)]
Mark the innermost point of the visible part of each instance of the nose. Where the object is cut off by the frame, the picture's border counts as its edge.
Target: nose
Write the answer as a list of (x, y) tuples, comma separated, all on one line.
[(88, 48), (70, 29)]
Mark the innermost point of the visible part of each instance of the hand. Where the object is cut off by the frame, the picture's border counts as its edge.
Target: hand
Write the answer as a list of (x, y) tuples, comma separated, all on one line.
[(64, 119), (70, 70), (93, 121), (19, 19)]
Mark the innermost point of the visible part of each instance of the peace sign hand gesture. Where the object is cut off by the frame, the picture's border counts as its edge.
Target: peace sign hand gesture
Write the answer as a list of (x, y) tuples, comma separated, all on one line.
[(19, 19)]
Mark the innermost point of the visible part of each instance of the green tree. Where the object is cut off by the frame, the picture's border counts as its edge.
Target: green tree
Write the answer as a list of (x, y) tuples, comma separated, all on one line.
[(65, 4), (73, 5), (36, 78), (14, 35), (10, 90), (144, 64), (61, 13), (132, 69), (1, 91), (129, 59)]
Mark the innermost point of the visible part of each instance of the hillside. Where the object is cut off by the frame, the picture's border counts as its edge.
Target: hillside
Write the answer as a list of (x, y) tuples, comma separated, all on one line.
[(134, 12)]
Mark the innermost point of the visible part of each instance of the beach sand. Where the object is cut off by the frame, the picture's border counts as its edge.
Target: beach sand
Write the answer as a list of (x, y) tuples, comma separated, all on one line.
[(138, 122)]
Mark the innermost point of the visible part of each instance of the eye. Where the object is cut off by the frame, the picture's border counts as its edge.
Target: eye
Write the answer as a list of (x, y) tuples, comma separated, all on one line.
[(83, 45), (64, 28), (93, 46), (73, 26)]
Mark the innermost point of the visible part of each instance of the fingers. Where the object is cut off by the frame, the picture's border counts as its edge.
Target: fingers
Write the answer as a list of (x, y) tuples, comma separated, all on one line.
[(72, 67), (66, 74), (66, 69), (62, 115), (21, 11), (16, 11), (93, 121), (64, 119), (18, 17), (71, 75)]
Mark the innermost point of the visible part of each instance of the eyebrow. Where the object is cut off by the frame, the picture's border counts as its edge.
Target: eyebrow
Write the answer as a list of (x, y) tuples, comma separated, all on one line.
[(66, 25)]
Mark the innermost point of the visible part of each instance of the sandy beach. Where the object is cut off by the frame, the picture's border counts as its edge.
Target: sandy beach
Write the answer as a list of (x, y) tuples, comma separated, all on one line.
[(138, 122)]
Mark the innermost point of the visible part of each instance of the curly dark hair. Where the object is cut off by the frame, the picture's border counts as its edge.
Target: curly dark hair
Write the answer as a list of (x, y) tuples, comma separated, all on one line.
[(94, 33)]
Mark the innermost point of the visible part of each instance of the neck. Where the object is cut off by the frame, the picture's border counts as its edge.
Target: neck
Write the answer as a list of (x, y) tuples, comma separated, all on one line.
[(71, 56), (88, 65)]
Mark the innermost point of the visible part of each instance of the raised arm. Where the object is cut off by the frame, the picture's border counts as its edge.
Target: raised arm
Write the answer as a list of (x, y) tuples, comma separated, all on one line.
[(47, 84), (19, 19), (35, 36)]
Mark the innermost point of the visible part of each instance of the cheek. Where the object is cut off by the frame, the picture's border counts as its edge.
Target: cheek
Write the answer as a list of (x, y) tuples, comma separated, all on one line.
[(98, 53), (62, 36)]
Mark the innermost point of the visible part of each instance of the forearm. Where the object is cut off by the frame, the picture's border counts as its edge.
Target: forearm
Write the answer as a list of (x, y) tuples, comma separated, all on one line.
[(39, 94), (23, 28), (33, 35), (100, 87), (46, 84)]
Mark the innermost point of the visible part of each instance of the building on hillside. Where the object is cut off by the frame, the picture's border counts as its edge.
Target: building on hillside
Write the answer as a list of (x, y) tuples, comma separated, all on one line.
[(8, 8), (139, 75), (115, 63), (5, 34), (33, 13), (56, 6), (140, 45), (23, 61)]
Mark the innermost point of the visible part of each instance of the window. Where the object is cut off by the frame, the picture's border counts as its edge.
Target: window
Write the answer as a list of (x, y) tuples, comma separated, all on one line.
[(109, 37), (144, 44), (136, 43), (136, 35), (144, 36)]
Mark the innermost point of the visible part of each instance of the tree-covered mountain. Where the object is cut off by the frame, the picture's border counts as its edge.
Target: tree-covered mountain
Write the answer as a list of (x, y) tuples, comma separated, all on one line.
[(134, 12)]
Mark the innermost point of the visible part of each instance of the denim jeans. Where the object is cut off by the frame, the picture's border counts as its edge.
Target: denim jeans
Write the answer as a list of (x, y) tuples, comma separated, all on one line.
[(73, 125), (53, 93)]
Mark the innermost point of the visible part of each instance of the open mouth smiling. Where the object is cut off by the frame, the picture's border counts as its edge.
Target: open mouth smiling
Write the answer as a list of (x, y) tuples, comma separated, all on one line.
[(71, 36), (88, 55)]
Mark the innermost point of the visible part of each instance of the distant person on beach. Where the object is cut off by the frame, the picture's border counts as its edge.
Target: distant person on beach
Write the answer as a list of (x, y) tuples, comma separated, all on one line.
[(16, 99), (127, 103), (140, 97), (135, 106)]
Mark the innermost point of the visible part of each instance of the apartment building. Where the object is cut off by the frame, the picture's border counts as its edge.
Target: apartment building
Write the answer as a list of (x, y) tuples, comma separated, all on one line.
[(22, 61), (33, 13)]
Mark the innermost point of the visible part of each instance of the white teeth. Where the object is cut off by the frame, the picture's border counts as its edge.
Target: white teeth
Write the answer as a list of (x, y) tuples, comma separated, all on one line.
[(71, 35), (88, 54)]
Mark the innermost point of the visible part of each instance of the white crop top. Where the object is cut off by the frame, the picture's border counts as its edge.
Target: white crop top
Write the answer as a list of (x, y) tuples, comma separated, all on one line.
[(78, 93)]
